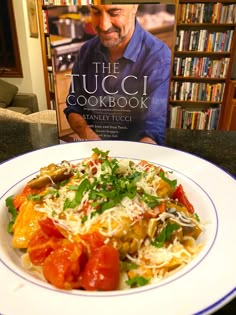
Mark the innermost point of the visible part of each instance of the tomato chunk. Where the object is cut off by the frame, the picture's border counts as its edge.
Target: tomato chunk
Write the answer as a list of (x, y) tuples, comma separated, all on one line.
[(49, 228), (94, 240), (102, 270), (62, 267), (40, 246), (182, 198)]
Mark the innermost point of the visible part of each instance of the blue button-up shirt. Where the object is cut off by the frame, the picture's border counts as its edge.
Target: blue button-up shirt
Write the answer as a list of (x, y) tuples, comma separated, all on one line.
[(126, 100)]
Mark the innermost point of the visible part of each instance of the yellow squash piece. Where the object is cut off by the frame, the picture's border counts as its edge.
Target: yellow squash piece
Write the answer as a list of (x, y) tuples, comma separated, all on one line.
[(26, 224)]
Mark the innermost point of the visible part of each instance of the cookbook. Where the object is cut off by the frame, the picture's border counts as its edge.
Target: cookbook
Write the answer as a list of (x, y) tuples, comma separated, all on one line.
[(115, 96)]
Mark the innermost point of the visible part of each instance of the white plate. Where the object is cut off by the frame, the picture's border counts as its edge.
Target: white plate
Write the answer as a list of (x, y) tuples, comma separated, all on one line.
[(202, 287)]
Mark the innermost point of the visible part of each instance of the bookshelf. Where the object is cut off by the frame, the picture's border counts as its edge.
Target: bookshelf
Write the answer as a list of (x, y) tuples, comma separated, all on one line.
[(202, 62)]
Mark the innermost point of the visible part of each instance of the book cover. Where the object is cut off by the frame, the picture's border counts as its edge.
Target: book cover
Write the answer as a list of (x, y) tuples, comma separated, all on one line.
[(116, 95)]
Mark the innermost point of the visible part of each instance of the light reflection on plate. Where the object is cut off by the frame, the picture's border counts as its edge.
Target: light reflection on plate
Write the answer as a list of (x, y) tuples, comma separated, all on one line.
[(202, 182)]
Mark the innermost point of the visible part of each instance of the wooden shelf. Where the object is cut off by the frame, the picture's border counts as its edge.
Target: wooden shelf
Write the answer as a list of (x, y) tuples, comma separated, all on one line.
[(192, 53), (47, 62), (204, 103), (196, 79)]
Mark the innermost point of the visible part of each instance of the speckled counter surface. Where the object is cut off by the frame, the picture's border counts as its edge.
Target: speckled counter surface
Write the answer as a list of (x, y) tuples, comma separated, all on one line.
[(17, 138), (217, 147)]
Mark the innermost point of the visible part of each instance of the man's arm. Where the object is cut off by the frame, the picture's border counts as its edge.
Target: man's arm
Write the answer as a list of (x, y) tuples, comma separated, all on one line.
[(80, 126)]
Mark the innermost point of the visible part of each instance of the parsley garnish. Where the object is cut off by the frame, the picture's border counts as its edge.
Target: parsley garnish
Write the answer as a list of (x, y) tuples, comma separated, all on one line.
[(34, 197), (79, 191), (197, 217), (137, 281), (172, 183), (84, 218), (100, 153), (126, 266), (12, 210), (165, 234), (150, 200)]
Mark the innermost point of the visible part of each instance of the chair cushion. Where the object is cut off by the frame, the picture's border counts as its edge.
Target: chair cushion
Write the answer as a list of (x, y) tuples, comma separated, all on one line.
[(7, 93), (22, 110)]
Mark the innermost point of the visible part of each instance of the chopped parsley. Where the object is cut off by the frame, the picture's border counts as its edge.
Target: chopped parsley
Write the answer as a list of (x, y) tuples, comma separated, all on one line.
[(165, 234), (100, 153), (79, 191), (197, 218), (150, 200), (12, 210), (172, 183), (126, 266), (137, 281)]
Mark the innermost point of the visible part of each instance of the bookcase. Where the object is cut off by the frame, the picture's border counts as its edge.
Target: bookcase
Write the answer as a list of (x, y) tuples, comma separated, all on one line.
[(202, 62)]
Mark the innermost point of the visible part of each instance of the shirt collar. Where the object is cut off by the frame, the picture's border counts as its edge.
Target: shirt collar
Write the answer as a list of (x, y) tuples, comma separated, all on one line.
[(135, 44)]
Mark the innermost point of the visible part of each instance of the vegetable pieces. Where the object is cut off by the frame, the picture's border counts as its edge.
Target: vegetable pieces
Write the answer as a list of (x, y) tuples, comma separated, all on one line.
[(104, 223)]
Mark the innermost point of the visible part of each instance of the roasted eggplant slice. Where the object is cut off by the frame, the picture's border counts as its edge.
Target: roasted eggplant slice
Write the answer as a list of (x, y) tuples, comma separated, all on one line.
[(51, 174)]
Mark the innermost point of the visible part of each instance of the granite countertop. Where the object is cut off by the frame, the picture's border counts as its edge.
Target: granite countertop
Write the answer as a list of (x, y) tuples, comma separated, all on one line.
[(217, 147)]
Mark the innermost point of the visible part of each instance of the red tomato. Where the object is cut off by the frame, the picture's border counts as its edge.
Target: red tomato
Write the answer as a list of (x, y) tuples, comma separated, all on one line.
[(102, 270), (93, 166), (94, 240), (182, 198), (49, 228), (62, 267), (40, 246)]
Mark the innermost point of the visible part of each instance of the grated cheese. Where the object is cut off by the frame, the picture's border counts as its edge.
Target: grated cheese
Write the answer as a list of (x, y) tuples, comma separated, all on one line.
[(81, 207)]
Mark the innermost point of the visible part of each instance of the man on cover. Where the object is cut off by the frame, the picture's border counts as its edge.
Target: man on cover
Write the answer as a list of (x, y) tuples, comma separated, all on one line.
[(120, 80)]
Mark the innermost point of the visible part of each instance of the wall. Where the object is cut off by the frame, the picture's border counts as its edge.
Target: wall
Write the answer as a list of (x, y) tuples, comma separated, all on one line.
[(31, 58)]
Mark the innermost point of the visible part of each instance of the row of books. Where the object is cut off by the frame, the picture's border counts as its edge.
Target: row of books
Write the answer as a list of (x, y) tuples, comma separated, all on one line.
[(48, 47), (68, 2), (196, 91), (201, 67), (51, 80), (45, 21), (194, 119), (204, 40), (216, 13)]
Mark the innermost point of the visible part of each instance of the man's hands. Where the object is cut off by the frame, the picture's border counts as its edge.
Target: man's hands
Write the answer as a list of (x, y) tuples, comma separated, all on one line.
[(79, 125), (148, 140)]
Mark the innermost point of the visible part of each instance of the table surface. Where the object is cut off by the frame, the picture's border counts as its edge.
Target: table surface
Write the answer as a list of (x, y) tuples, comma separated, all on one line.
[(217, 147)]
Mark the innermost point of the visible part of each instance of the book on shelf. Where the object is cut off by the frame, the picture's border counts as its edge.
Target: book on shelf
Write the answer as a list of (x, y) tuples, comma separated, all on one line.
[(207, 12), (197, 91), (204, 67), (121, 100), (45, 21), (67, 2), (204, 40), (194, 119)]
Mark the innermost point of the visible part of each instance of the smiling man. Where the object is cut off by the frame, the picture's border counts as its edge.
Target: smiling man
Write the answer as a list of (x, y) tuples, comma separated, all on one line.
[(121, 74)]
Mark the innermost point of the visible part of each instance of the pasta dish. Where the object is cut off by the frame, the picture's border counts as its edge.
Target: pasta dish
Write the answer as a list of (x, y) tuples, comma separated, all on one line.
[(104, 224)]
